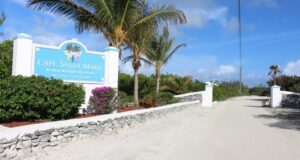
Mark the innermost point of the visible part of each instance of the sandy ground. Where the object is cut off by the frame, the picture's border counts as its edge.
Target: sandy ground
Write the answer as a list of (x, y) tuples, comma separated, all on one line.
[(236, 129)]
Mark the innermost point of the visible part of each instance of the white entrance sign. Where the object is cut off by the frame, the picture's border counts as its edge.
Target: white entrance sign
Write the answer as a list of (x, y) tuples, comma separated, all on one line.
[(71, 62)]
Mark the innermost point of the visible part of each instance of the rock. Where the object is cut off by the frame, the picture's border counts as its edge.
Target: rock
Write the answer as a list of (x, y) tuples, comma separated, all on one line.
[(69, 134), (7, 143), (55, 133), (45, 138), (37, 149), (92, 123), (82, 125), (24, 144), (10, 153), (60, 138), (24, 153), (27, 137), (53, 138), (14, 146), (54, 143), (44, 144)]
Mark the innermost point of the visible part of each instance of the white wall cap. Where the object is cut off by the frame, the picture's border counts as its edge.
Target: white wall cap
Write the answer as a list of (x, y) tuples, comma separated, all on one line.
[(23, 35), (275, 86)]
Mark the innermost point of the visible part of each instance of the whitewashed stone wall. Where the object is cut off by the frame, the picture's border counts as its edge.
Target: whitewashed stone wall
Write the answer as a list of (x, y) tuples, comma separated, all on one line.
[(204, 97), (284, 98), (22, 142), (290, 99), (196, 96)]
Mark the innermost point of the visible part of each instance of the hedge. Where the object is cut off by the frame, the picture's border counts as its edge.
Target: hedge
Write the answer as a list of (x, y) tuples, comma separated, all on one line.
[(31, 98)]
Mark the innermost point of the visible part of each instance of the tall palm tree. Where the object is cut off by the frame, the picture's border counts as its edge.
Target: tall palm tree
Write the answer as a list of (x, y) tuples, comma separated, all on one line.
[(115, 19), (2, 19), (160, 52), (138, 44), (274, 71)]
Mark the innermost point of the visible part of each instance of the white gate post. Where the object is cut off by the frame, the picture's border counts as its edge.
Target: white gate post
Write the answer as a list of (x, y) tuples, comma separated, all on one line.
[(276, 97), (22, 55), (112, 66), (207, 97)]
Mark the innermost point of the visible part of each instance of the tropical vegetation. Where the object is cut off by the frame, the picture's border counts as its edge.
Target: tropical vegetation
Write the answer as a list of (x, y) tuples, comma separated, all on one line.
[(103, 100), (160, 51), (274, 71), (115, 19), (33, 98), (287, 83), (6, 53), (126, 22)]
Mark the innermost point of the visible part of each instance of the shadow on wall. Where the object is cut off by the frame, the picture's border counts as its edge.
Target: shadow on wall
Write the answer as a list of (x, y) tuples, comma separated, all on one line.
[(291, 101), (286, 118)]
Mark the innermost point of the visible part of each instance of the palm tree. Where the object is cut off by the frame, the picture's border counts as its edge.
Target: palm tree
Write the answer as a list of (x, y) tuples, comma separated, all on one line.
[(274, 70), (160, 52), (115, 19), (2, 19), (175, 84), (138, 44)]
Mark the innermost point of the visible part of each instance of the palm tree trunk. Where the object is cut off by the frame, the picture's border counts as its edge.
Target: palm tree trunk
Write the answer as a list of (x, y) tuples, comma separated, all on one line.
[(157, 80), (136, 87)]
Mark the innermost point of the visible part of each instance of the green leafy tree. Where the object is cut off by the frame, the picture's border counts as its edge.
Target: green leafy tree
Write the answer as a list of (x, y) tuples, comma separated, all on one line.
[(115, 19), (160, 51), (6, 53), (274, 71)]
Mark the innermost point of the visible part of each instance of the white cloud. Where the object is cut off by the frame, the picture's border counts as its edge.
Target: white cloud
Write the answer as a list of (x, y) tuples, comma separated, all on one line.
[(225, 70), (199, 17), (200, 13), (292, 68), (42, 36)]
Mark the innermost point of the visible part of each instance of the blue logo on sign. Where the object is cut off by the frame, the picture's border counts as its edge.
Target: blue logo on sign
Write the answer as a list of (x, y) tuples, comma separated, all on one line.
[(71, 62)]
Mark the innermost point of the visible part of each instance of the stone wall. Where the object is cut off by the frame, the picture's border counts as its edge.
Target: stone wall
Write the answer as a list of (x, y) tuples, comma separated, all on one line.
[(22, 142), (197, 96), (291, 100)]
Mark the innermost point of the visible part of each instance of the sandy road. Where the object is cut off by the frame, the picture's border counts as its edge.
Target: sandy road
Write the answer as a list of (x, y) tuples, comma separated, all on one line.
[(236, 129)]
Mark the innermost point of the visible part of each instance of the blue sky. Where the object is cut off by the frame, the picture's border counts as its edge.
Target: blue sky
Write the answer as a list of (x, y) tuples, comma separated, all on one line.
[(271, 35)]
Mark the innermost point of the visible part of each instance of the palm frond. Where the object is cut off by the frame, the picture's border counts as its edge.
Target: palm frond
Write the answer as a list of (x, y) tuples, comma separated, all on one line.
[(127, 59), (161, 16), (168, 57)]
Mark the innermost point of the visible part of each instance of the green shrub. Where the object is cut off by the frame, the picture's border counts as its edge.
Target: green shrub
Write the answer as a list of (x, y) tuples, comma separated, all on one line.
[(31, 98), (226, 90), (260, 91), (162, 98), (124, 98)]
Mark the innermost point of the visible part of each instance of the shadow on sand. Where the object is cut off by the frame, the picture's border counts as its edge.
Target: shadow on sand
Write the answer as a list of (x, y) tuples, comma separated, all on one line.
[(286, 117)]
